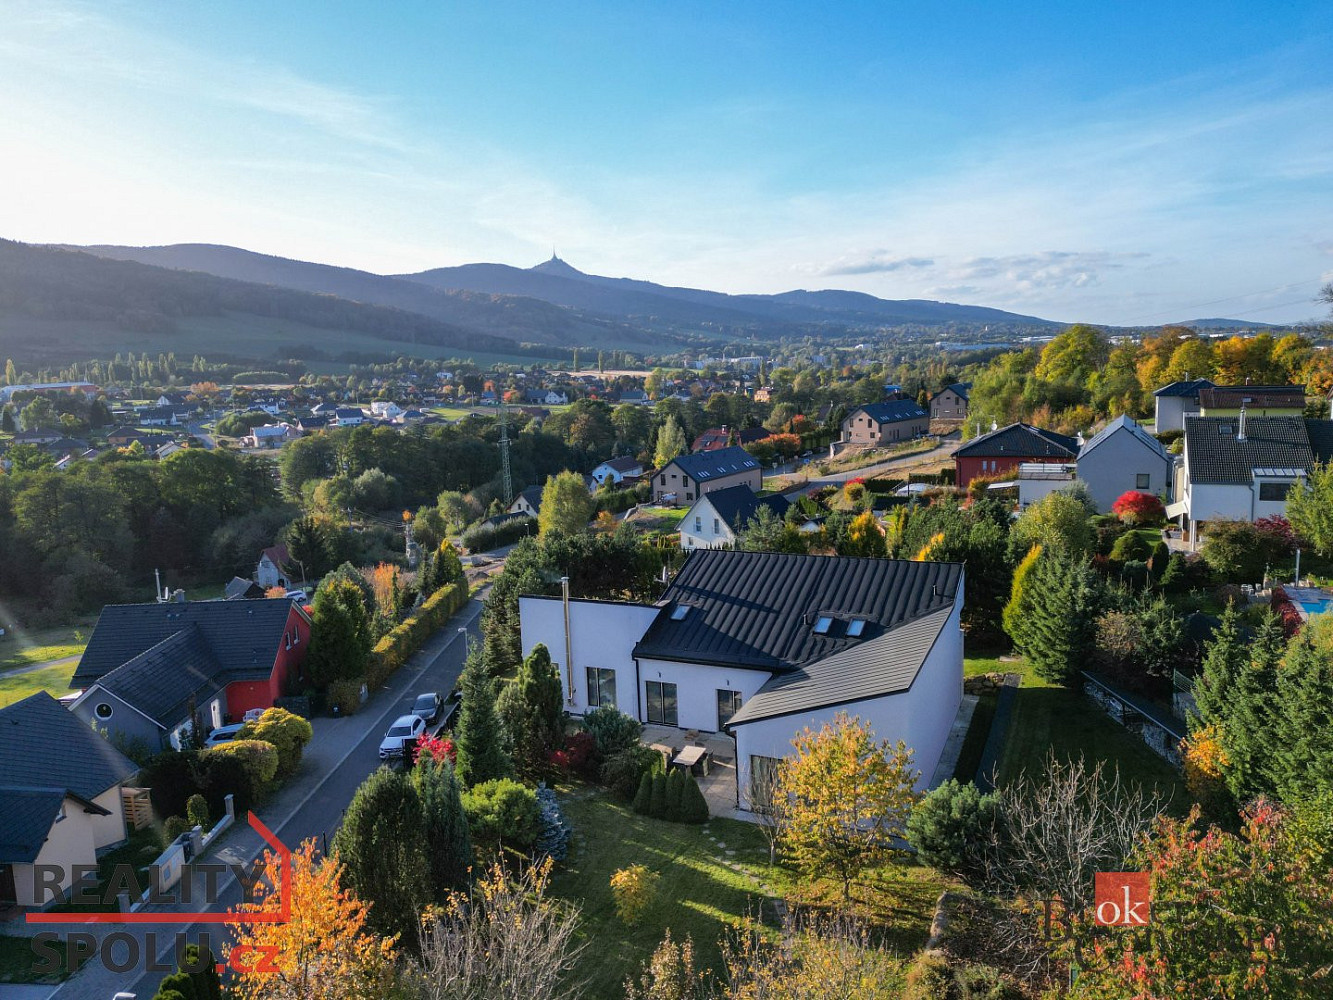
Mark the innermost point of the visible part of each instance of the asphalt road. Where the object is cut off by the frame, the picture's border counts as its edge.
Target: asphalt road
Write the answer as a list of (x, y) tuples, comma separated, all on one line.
[(311, 806)]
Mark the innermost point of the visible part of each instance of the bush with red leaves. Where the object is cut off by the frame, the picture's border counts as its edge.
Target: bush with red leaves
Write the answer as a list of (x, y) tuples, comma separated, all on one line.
[(1137, 507)]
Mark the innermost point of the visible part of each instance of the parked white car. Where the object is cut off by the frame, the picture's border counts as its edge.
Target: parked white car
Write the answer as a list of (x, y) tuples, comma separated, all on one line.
[(222, 734), (406, 727)]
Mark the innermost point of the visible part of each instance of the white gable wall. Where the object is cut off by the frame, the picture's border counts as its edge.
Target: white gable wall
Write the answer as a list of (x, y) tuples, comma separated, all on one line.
[(712, 532), (697, 685)]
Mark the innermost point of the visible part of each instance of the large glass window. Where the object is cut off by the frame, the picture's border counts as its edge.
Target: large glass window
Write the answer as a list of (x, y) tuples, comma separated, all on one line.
[(662, 703), (601, 687), (1273, 491), (728, 704)]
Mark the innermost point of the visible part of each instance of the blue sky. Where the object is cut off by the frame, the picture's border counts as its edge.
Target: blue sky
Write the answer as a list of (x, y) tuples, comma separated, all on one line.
[(1127, 162)]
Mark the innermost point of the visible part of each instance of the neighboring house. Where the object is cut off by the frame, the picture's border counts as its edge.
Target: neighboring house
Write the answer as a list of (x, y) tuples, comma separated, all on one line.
[(348, 416), (1004, 450), (716, 517), (270, 436), (39, 436), (166, 450), (1240, 468), (546, 397), (1122, 456), (617, 470), (1037, 480), (271, 570), (1174, 402), (950, 403), (635, 397), (385, 409), (884, 423), (122, 437), (528, 502), (7, 392), (60, 798), (688, 477), (147, 666), (1256, 400), (314, 422), (716, 438), (763, 644), (239, 588)]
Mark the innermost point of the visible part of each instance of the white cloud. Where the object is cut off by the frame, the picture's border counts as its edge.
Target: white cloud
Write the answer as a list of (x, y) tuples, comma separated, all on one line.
[(873, 262)]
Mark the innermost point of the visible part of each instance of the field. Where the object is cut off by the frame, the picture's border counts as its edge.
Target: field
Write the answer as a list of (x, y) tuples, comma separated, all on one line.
[(40, 645), (711, 876)]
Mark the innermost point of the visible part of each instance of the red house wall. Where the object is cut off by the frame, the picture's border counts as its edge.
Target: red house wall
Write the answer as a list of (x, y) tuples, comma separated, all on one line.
[(285, 675), (966, 468)]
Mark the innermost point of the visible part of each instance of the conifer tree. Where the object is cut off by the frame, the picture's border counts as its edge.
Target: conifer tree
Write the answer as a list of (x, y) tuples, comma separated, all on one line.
[(643, 799), (1300, 755), (693, 805), (532, 708), (674, 788), (448, 843), (1222, 658), (657, 801), (1055, 619), (481, 751)]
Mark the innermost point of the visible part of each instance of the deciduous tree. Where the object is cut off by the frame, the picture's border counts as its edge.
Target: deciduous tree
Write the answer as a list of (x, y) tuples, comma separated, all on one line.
[(567, 505)]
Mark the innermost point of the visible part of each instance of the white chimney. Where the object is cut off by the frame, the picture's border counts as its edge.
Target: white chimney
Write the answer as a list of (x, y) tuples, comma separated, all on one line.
[(1240, 428)]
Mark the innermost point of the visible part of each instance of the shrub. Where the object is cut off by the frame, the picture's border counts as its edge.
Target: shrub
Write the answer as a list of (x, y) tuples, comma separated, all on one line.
[(693, 805), (196, 811), (675, 785), (930, 978), (288, 733), (581, 749), (1138, 507), (553, 837), (621, 772), (345, 695), (633, 889), (944, 825), (220, 775), (657, 801), (643, 798), (259, 758), (438, 748), (1130, 546), (502, 812), (171, 777), (484, 537), (612, 731), (393, 650), (981, 982), (173, 828)]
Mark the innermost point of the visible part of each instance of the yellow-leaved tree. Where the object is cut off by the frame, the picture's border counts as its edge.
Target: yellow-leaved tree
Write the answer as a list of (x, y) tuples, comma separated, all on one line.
[(847, 796), (324, 951)]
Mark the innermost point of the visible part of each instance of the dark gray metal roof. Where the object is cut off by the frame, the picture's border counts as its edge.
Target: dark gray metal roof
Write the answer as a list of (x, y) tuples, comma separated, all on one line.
[(1189, 388), (959, 388), (892, 411), (1234, 396), (243, 636), (888, 665), (1124, 423), (1020, 441), (758, 609), (739, 504), (26, 815), (703, 466), (159, 682), (43, 743), (1216, 457)]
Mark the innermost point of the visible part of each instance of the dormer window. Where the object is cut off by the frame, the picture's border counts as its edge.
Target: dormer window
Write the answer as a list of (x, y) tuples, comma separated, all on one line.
[(822, 625)]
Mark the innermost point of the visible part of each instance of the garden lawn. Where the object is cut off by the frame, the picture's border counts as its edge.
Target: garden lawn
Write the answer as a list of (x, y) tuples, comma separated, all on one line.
[(16, 687), (27, 648), (702, 897), (1047, 716)]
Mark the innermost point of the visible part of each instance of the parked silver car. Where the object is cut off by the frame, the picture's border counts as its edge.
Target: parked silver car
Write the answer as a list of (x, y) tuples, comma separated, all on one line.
[(405, 727)]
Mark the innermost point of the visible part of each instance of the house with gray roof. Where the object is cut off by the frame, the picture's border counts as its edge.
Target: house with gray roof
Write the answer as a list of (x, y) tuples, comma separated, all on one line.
[(884, 423), (1241, 467), (760, 645), (950, 403), (60, 796), (152, 671), (1121, 457), (1175, 401), (716, 518), (688, 477)]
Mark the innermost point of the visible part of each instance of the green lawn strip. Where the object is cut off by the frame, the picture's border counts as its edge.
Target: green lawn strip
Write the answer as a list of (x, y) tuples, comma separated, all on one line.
[(29, 655), (1049, 717), (17, 960), (23, 648), (974, 665), (975, 742), (16, 687)]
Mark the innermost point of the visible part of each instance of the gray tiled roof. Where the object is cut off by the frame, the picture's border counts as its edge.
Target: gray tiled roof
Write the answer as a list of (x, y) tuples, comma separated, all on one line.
[(961, 389), (758, 609), (1233, 396), (1216, 457), (41, 743), (892, 411), (26, 815), (1125, 423), (1020, 441), (871, 670), (159, 682), (1190, 388), (739, 504), (244, 636), (703, 466)]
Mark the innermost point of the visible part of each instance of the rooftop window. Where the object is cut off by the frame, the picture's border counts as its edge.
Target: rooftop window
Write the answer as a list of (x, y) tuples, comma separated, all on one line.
[(679, 612), (822, 625), (855, 627)]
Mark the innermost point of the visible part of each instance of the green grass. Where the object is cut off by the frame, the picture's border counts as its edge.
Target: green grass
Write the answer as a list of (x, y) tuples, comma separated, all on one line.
[(16, 687), (975, 665), (17, 960), (22, 649), (1049, 717), (451, 412), (701, 893)]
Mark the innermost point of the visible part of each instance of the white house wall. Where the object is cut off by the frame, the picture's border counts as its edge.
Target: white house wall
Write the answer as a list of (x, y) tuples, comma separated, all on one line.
[(697, 686), (1113, 467), (108, 830), (921, 716), (602, 634)]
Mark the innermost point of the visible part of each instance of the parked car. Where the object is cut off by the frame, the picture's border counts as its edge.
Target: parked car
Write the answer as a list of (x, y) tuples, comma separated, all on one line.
[(299, 595), (222, 734), (427, 706), (405, 727)]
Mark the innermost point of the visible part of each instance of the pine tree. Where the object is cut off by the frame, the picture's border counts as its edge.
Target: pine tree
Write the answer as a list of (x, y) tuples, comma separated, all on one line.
[(11, 373), (643, 799), (1223, 657), (533, 711), (1057, 612), (657, 802), (447, 841), (381, 845), (340, 637), (693, 805), (1300, 757), (481, 752), (675, 787)]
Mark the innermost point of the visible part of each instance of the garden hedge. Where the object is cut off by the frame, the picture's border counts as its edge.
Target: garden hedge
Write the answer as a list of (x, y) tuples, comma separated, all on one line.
[(392, 651)]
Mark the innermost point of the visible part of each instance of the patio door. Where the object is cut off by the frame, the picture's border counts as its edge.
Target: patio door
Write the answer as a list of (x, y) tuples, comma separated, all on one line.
[(728, 704), (661, 703)]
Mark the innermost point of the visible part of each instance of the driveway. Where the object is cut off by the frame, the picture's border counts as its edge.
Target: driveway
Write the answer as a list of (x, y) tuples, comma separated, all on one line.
[(341, 755)]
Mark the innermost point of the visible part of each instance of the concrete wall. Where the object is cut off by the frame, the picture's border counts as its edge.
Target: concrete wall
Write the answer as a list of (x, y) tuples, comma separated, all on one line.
[(697, 686), (921, 717), (1239, 502), (1115, 464), (602, 634)]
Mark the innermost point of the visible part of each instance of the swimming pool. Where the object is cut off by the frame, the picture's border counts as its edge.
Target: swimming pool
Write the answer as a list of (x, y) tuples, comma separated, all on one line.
[(1316, 607)]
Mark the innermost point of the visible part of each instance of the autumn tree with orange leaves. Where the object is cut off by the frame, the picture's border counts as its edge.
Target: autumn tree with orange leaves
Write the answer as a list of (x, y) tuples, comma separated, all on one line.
[(324, 951)]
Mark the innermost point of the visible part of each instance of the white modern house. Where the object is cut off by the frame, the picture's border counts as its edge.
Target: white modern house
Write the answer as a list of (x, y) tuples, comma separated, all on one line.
[(1240, 468), (617, 470), (716, 518), (760, 645), (1173, 402), (1122, 456)]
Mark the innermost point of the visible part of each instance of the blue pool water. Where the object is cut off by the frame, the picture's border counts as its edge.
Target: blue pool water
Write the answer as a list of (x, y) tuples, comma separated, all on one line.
[(1315, 607)]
